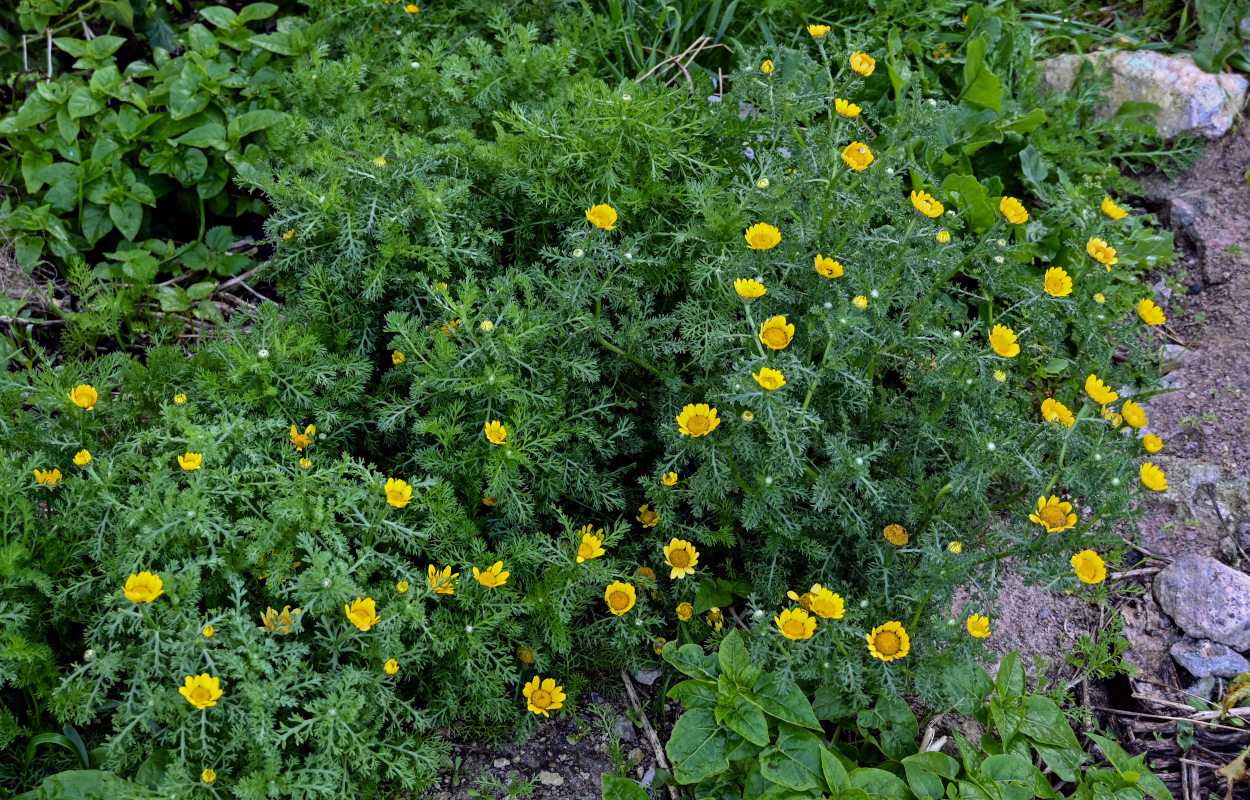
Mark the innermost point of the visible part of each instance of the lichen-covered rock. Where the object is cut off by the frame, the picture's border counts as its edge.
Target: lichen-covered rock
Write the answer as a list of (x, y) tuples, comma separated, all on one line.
[(1188, 98), (1203, 658), (1206, 599)]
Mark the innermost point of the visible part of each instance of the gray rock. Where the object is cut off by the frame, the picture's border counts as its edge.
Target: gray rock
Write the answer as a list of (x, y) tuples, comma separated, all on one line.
[(550, 778), (1204, 659), (624, 729), (1206, 599), (647, 676), (649, 776), (1188, 98), (1203, 688), (500, 763)]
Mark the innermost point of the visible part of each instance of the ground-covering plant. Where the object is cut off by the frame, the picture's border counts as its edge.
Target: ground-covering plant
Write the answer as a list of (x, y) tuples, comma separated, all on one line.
[(745, 732), (571, 367), (123, 155)]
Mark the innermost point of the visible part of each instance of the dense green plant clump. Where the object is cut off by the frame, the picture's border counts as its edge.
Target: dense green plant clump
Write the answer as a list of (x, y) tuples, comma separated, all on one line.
[(667, 356)]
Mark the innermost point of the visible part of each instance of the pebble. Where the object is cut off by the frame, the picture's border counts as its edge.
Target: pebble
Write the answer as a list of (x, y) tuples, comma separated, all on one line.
[(624, 729), (500, 763), (1204, 658), (550, 778)]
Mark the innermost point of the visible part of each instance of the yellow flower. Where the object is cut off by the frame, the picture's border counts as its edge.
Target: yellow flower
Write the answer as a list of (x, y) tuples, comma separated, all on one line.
[(180, 399), (190, 462), (748, 416), (1000, 376), (896, 535), (143, 587), (82, 458), (489, 501), (1152, 443), (955, 547), (1057, 282), (402, 587), (305, 463), (208, 776), (1112, 210), (860, 301), (1013, 210), (290, 233), (48, 476), (857, 156), (888, 642), (943, 237), (685, 611), (496, 432), (1054, 411), (602, 216), (749, 289), (770, 379), (1150, 313), (1089, 567), (592, 543), (84, 396), (762, 183), (827, 267), (715, 618), (978, 626), (411, 8), (1101, 252), (398, 493), (442, 581), (1098, 391), (682, 557), (208, 631), (820, 601), (1053, 514), (1115, 419), (1100, 298), (697, 420), (282, 621), (646, 573), (363, 613), (391, 667), (648, 516), (201, 691), (1134, 414), (525, 654), (818, 31), (486, 326), (542, 696), (1153, 478), (669, 479), (620, 597), (302, 440), (776, 333), (795, 624), (846, 108), (762, 236), (926, 204), (767, 67), (1003, 340), (863, 63), (379, 162), (495, 575), (658, 647)]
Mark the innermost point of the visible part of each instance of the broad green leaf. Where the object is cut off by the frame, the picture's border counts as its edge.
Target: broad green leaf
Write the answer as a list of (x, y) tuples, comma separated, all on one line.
[(795, 760), (895, 725), (615, 788), (202, 290), (970, 195), (694, 694), (1010, 678), (691, 660), (1034, 168), (833, 771), (257, 11), (1045, 723), (744, 719), (106, 80), (211, 134), (185, 98), (1014, 769), (219, 238), (923, 782), (697, 746), (935, 762), (127, 216), (733, 656), (1063, 761), (220, 16), (173, 298), (1220, 38), (879, 783), (34, 165), (981, 86), (27, 250), (82, 103), (207, 310), (87, 784), (95, 222), (120, 11), (787, 704), (284, 44), (251, 122)]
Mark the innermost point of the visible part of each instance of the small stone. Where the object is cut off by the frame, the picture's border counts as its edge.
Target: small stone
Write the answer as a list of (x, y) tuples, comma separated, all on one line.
[(649, 776), (635, 756), (624, 729), (1205, 659), (500, 763), (550, 778), (1206, 599), (647, 676), (1203, 688), (1188, 98)]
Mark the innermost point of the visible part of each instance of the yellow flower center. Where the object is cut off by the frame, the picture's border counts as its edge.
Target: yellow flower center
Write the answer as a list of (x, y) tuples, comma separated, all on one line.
[(679, 558), (775, 337), (793, 627), (618, 600), (585, 550), (540, 699), (1053, 516), (887, 643), (201, 694), (698, 425)]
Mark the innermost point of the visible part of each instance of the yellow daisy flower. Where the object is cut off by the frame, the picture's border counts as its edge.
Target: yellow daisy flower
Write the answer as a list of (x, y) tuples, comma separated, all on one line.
[(978, 626), (857, 156), (1013, 210), (776, 333), (82, 458), (1101, 252), (648, 516), (769, 378), (1054, 411), (1003, 341), (762, 236), (795, 624), (492, 576), (669, 479), (682, 557), (685, 611), (896, 535), (846, 108), (84, 396), (1089, 567), (362, 613), (888, 642), (1112, 210), (496, 433), (697, 420), (202, 691), (862, 63), (143, 587), (1057, 283), (398, 493), (1098, 391), (620, 597), (602, 216), (591, 545), (1150, 313), (1053, 514), (749, 289), (1153, 478), (827, 267), (926, 204), (441, 581), (542, 696)]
